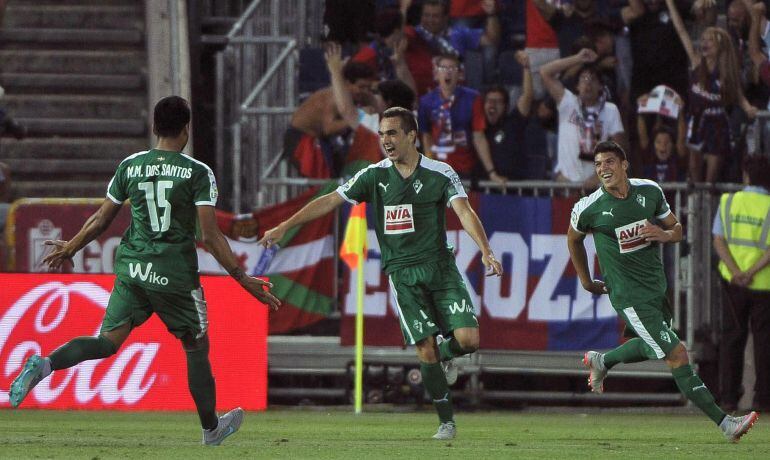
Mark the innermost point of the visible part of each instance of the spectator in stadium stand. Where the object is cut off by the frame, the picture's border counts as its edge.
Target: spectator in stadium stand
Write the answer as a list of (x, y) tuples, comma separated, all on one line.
[(348, 21), (658, 56), (8, 125), (666, 148), (629, 220), (314, 141), (451, 123), (742, 247), (715, 84), (165, 244), (386, 54), (541, 44), (585, 119), (364, 122), (434, 36), (568, 20), (506, 131), (757, 41)]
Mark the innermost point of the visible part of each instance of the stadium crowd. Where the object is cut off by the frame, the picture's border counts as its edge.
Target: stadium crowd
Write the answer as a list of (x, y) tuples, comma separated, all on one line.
[(678, 83)]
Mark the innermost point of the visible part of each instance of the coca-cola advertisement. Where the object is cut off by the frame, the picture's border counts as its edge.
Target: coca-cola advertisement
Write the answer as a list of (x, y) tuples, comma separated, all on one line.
[(39, 312)]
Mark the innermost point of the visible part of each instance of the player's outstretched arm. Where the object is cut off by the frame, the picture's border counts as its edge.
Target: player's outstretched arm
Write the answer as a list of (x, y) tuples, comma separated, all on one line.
[(577, 252), (313, 210), (473, 227), (217, 245), (94, 226)]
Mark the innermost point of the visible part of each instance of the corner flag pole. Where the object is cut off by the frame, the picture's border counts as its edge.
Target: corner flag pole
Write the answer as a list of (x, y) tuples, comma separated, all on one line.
[(359, 385), (353, 253)]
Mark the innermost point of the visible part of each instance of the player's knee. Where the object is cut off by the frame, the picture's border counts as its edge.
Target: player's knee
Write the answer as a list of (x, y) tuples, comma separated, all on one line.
[(427, 351), (467, 338), (678, 357), (107, 347), (191, 344), (469, 343)]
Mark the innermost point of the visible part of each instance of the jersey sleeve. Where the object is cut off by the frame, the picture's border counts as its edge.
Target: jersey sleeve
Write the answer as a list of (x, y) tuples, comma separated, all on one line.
[(662, 208), (454, 188), (205, 192), (358, 188), (116, 190), (579, 218)]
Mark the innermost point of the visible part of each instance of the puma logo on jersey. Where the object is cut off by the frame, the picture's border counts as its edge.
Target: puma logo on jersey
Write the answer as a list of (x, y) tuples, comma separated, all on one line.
[(398, 219), (699, 387), (629, 239), (384, 187), (608, 213)]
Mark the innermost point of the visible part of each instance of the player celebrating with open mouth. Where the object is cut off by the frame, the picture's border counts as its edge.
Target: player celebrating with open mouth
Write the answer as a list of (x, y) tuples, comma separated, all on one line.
[(410, 192)]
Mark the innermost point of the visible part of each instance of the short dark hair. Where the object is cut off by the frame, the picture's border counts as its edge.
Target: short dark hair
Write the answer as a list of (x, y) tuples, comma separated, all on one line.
[(171, 115), (758, 169), (453, 57), (396, 93), (610, 146), (498, 89), (354, 71), (388, 21), (593, 69), (663, 130), (408, 121), (441, 3)]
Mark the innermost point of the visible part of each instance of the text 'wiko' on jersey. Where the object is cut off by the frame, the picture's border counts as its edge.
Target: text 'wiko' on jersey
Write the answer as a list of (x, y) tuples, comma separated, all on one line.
[(630, 265), (158, 248), (409, 214)]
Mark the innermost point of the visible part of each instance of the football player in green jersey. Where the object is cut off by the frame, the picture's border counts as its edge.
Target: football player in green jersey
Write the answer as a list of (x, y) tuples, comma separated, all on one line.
[(628, 219), (410, 192), (156, 264)]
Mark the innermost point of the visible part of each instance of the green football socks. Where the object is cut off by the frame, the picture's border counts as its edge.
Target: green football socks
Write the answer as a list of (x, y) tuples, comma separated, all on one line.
[(202, 387), (434, 381), (81, 349), (449, 349), (693, 387), (633, 351)]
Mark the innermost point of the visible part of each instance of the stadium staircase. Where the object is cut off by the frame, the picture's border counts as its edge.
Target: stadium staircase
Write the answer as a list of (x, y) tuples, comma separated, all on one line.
[(74, 74)]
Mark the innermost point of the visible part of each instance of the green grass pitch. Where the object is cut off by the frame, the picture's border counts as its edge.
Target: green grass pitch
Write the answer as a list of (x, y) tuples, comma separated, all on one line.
[(338, 434)]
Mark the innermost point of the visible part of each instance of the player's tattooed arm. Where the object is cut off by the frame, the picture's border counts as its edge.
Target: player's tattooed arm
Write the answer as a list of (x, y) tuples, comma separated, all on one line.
[(237, 273)]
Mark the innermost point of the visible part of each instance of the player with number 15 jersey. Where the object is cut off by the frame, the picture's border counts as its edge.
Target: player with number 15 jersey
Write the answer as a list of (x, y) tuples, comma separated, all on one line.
[(164, 188)]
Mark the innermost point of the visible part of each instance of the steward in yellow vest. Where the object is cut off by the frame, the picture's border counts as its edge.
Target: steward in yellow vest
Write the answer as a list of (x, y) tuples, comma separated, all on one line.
[(741, 232)]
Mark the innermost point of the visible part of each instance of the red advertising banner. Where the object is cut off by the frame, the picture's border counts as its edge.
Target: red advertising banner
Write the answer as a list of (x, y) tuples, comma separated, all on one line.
[(34, 220), (38, 313)]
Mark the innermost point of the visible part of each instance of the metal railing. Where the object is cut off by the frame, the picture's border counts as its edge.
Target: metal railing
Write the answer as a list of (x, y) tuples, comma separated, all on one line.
[(256, 94)]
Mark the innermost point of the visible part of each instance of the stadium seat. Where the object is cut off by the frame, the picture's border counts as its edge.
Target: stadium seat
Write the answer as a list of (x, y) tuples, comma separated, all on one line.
[(312, 71)]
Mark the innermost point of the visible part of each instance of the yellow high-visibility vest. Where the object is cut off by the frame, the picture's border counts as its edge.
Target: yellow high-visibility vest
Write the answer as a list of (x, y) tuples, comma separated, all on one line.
[(746, 224)]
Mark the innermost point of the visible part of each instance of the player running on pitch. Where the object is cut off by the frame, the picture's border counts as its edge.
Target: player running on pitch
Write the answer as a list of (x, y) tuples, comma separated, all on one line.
[(627, 218), (156, 264), (410, 193)]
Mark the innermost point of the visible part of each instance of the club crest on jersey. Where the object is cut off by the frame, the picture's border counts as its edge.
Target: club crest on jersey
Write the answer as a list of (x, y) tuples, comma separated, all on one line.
[(628, 236), (399, 219), (640, 199), (417, 186)]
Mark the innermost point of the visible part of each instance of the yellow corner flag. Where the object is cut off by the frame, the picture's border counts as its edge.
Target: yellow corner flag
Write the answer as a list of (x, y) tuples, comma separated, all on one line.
[(354, 244), (353, 252)]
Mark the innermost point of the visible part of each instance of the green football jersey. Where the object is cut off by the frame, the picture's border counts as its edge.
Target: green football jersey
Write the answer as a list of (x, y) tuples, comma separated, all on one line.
[(631, 266), (409, 214), (164, 188)]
